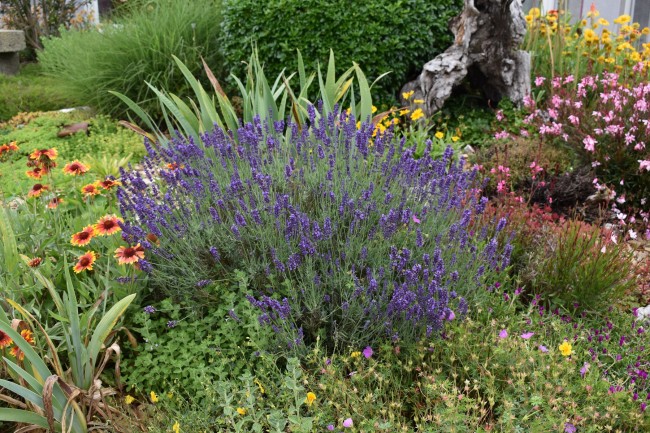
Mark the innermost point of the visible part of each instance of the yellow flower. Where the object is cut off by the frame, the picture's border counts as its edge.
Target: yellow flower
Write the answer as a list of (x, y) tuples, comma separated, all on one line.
[(374, 109), (455, 138), (418, 113), (623, 19), (359, 124), (440, 135), (311, 397), (241, 411), (529, 19), (153, 397), (535, 12), (170, 395), (355, 354), (645, 31), (603, 22), (128, 399), (407, 95), (418, 101), (565, 348), (404, 112), (259, 384), (176, 428)]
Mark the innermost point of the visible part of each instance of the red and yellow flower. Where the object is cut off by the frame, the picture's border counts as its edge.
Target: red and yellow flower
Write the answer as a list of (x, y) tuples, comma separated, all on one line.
[(35, 262), (91, 189), (27, 335), (17, 353), (75, 168), (37, 173), (54, 203), (109, 184), (83, 237), (37, 190), (108, 225), (44, 154), (128, 255), (85, 262), (5, 340)]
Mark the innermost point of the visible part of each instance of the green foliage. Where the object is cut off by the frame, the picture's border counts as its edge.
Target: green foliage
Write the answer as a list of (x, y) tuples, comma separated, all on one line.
[(387, 35), (183, 351), (135, 49), (258, 98), (30, 90), (578, 263)]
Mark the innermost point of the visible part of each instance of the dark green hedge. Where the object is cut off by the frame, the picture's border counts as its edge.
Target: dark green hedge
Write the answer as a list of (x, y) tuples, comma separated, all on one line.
[(381, 35)]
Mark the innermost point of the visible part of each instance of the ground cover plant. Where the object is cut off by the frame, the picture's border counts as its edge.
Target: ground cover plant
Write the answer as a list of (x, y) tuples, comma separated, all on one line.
[(286, 262)]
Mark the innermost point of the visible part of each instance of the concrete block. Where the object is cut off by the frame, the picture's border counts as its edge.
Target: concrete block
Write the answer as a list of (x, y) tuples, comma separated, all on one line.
[(12, 41)]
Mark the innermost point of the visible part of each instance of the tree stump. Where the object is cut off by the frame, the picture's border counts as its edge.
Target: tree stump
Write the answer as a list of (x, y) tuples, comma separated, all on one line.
[(488, 34)]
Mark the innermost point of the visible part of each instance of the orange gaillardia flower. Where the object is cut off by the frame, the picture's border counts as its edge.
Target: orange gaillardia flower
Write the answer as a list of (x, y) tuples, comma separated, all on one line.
[(107, 225), (126, 255), (83, 237), (90, 189), (29, 337), (35, 262), (37, 190), (5, 340), (54, 203), (85, 262), (44, 154), (108, 184), (17, 353), (75, 168), (37, 173)]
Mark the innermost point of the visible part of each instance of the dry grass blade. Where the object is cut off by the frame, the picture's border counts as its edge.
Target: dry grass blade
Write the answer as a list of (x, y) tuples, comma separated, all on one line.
[(137, 130), (213, 80), (12, 401), (48, 387)]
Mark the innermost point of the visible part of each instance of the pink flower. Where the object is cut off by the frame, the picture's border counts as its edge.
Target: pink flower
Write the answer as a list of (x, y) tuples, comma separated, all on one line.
[(543, 348), (539, 81), (367, 352), (527, 335), (451, 316), (416, 220), (503, 334), (500, 115), (644, 165), (348, 423), (589, 143)]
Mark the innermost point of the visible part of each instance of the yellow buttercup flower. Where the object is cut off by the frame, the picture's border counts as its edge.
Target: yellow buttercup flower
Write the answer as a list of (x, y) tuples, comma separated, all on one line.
[(176, 428), (355, 354), (311, 397), (374, 109), (128, 399), (565, 348), (418, 101), (440, 135), (623, 19), (417, 114), (407, 95), (455, 138), (404, 112), (241, 411), (153, 397)]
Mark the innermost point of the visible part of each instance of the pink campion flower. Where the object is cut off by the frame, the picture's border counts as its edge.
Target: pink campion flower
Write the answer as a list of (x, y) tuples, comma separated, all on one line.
[(529, 102), (574, 120), (557, 82), (527, 335), (500, 115), (502, 135), (568, 79), (348, 423), (577, 105), (501, 186), (367, 352), (552, 113), (556, 101), (639, 146), (543, 348), (632, 234), (644, 164), (629, 138), (503, 334), (451, 316), (524, 133), (590, 144), (416, 220), (539, 81)]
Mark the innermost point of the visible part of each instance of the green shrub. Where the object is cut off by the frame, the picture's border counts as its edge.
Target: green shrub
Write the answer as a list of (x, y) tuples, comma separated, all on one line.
[(30, 91), (382, 36), (136, 48)]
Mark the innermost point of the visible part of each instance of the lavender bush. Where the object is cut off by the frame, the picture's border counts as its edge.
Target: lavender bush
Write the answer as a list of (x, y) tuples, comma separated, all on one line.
[(342, 236)]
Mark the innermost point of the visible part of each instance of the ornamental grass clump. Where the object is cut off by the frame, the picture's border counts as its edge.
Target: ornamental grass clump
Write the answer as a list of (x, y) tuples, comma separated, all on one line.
[(341, 236)]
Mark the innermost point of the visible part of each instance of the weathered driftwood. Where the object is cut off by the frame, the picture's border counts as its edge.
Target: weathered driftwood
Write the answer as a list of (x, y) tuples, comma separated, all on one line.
[(488, 34)]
